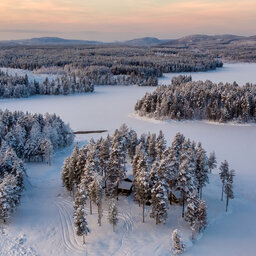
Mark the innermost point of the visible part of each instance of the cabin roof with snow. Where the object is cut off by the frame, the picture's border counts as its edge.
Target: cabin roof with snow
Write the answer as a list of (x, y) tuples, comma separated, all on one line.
[(125, 185)]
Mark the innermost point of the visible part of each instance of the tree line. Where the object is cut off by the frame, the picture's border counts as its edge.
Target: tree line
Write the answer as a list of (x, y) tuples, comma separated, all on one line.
[(20, 86), (96, 170), (184, 99)]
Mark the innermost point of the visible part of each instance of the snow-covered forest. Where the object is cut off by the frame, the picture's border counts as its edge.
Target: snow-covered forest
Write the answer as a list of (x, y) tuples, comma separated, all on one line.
[(33, 137), (184, 99), (161, 176), (83, 67), (25, 137), (20, 87)]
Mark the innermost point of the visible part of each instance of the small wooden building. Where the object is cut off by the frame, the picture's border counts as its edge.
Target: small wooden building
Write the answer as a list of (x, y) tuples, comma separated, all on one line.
[(125, 186)]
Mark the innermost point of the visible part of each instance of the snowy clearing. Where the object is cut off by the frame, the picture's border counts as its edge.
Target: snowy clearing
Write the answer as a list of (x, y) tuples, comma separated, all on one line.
[(44, 219)]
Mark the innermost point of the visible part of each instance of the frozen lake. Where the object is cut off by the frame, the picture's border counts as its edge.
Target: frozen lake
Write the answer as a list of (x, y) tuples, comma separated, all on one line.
[(108, 107), (241, 73)]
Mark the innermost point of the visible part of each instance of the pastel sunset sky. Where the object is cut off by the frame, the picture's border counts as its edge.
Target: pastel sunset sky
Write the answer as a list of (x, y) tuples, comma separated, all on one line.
[(109, 20)]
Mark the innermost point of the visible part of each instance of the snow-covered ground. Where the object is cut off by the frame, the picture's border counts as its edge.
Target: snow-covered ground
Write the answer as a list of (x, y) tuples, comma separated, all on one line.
[(43, 223)]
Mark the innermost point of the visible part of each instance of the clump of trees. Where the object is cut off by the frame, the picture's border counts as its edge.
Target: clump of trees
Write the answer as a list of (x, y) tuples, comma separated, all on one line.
[(159, 172), (21, 87), (27, 137), (33, 137), (12, 173), (200, 100)]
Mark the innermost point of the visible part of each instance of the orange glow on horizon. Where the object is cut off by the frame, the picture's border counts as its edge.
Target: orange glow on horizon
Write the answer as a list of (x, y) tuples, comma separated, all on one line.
[(111, 18)]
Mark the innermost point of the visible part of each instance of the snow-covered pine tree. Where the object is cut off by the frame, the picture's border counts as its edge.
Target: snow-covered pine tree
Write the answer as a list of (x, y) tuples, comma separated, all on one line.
[(112, 214), (65, 175), (202, 216), (10, 192), (174, 157), (224, 169), (228, 189), (185, 183), (151, 149), (201, 171), (133, 142), (136, 157), (124, 133), (104, 156), (73, 175), (142, 182), (164, 171), (87, 176), (116, 165), (159, 199), (196, 214), (160, 144), (97, 149), (5, 198), (80, 221), (46, 149), (177, 246), (136, 172), (96, 192), (80, 163), (191, 213), (212, 162)]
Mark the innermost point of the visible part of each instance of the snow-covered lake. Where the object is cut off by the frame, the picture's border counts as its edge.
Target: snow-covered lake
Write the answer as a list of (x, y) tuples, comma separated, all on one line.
[(107, 108), (241, 73)]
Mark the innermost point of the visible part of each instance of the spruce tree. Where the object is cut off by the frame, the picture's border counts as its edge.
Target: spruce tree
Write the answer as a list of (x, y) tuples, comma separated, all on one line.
[(177, 246), (159, 201), (80, 221), (95, 192), (143, 182), (228, 189), (201, 171), (151, 150), (191, 214), (112, 214), (202, 216), (160, 144), (185, 183), (212, 162), (224, 169)]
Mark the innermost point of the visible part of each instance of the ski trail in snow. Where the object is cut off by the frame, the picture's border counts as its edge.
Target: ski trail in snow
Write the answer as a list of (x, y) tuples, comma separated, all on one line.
[(67, 228), (127, 227)]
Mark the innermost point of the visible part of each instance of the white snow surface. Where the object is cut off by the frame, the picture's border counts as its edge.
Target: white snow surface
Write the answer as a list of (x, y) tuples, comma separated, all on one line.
[(43, 223)]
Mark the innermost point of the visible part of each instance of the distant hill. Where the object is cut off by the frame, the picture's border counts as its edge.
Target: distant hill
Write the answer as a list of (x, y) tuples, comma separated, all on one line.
[(205, 40), (145, 41), (48, 41), (187, 41)]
